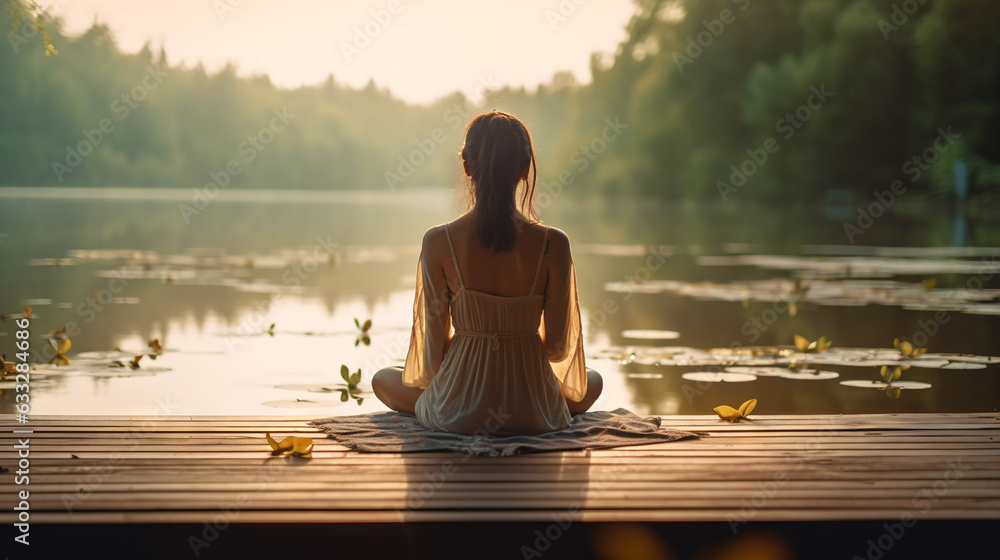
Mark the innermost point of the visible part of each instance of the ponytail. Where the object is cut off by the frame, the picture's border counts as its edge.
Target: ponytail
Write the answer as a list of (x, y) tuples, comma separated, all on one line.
[(499, 156)]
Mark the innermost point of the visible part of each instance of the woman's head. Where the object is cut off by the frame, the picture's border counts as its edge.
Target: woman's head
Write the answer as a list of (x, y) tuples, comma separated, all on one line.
[(498, 157)]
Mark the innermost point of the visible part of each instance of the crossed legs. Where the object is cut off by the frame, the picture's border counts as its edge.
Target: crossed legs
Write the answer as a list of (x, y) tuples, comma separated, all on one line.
[(388, 387)]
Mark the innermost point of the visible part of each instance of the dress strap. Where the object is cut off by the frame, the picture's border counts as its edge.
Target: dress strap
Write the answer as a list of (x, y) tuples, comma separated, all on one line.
[(458, 271), (538, 267)]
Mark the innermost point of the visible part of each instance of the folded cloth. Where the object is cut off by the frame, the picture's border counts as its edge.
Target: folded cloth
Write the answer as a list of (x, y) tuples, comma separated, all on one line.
[(396, 432)]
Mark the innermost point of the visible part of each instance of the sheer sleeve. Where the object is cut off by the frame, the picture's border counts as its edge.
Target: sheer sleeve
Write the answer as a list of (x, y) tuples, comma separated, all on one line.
[(561, 328), (431, 327)]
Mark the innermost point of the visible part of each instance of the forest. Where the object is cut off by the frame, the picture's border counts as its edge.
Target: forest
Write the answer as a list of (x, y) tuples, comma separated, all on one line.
[(784, 100)]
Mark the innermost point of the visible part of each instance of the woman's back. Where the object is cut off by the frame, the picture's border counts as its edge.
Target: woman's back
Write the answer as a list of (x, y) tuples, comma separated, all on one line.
[(494, 361), (496, 320), (523, 270)]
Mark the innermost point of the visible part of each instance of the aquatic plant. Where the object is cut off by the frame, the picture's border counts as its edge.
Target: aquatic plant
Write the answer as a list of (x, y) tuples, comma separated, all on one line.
[(292, 445), (906, 349), (363, 336), (802, 344), (733, 415)]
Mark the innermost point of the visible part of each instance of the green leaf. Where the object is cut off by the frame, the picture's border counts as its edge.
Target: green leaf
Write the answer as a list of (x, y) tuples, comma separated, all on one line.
[(366, 326), (355, 378), (356, 323), (343, 395), (345, 373)]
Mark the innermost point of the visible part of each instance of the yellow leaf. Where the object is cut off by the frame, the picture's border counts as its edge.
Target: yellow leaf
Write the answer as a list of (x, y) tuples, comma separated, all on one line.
[(747, 407), (302, 446), (801, 343), (893, 392), (917, 352), (905, 348), (60, 345), (296, 446), (929, 283), (728, 413)]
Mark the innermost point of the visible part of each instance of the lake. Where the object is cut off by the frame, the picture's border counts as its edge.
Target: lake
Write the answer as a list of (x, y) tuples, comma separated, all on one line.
[(667, 289)]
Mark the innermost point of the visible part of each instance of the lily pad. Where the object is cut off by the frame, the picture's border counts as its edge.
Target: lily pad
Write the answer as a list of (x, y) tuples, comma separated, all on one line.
[(650, 334), (312, 388), (864, 383), (759, 371), (809, 374), (971, 358), (963, 365), (719, 377), (911, 385), (120, 372), (104, 355), (301, 403)]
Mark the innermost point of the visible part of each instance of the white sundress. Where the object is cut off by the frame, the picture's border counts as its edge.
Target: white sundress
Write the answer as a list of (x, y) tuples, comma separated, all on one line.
[(508, 363)]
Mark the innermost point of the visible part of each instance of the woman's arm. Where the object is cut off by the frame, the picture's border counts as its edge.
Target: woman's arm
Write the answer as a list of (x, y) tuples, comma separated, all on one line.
[(563, 332), (431, 317)]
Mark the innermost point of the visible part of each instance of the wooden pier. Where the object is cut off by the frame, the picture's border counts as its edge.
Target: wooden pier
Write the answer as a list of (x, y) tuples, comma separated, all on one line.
[(211, 470)]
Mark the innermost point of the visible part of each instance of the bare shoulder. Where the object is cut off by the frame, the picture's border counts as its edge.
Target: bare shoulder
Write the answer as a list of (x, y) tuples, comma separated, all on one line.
[(558, 241), (434, 244), (433, 236)]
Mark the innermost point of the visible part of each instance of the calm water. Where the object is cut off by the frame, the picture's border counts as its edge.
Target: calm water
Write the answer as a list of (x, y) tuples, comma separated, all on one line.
[(123, 268)]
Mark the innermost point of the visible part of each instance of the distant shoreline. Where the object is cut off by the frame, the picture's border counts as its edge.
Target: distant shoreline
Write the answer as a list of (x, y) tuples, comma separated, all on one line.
[(408, 196)]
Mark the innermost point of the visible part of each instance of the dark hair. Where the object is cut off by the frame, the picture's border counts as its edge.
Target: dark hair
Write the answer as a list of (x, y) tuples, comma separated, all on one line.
[(499, 155)]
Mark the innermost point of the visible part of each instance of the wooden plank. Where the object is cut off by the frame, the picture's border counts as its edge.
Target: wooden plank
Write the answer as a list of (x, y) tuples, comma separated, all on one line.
[(670, 488), (540, 515), (830, 467), (908, 416), (735, 453), (255, 445)]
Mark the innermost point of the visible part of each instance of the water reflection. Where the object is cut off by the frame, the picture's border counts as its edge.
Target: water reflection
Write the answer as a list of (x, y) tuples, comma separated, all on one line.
[(126, 271)]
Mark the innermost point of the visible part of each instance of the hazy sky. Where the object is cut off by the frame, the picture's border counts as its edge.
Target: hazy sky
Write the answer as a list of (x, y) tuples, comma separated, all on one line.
[(426, 49)]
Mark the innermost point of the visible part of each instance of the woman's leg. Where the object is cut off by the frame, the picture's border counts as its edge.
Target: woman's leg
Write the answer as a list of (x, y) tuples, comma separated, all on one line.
[(595, 384), (388, 387)]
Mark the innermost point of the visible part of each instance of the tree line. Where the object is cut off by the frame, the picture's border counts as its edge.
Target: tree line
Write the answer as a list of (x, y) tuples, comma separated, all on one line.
[(709, 99)]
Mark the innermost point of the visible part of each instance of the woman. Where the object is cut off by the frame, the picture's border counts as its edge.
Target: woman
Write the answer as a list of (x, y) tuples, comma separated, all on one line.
[(496, 342)]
